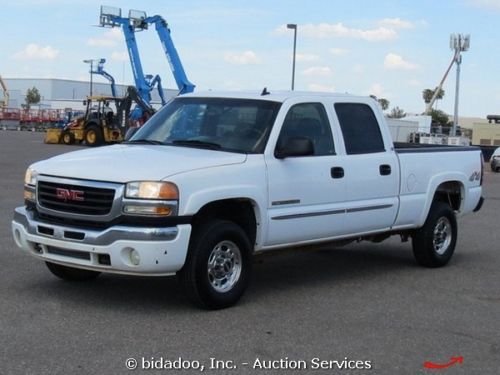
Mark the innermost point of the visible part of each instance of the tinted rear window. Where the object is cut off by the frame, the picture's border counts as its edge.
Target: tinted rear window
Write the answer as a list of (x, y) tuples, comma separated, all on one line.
[(360, 128)]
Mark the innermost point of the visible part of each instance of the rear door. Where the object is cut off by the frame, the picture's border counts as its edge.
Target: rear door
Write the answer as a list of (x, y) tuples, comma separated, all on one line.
[(371, 168)]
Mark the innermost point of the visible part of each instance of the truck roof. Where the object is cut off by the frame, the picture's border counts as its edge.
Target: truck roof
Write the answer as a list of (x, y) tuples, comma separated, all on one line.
[(278, 96)]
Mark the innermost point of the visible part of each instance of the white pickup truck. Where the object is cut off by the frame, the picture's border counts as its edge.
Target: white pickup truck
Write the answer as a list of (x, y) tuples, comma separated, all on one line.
[(213, 178)]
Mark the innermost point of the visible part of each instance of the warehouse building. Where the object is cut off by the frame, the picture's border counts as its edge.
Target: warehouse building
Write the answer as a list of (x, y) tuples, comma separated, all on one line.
[(64, 93)]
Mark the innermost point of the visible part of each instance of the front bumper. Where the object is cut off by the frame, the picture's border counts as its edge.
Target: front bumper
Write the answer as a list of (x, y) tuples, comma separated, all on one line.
[(495, 163), (479, 204), (162, 251)]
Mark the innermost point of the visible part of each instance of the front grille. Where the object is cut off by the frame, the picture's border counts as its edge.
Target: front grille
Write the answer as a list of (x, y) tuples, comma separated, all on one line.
[(51, 219), (94, 201), (68, 253)]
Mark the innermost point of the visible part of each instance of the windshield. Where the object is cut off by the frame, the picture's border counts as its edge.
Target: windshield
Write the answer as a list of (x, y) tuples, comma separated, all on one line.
[(235, 125)]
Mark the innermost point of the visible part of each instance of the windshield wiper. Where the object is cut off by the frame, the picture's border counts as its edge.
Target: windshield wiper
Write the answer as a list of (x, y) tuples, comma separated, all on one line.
[(197, 143), (146, 142)]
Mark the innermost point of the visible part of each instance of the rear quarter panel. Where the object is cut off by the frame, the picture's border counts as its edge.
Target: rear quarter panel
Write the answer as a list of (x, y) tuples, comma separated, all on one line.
[(422, 173)]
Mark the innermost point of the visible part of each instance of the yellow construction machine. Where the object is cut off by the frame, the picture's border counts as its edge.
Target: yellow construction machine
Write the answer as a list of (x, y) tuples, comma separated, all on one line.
[(99, 125)]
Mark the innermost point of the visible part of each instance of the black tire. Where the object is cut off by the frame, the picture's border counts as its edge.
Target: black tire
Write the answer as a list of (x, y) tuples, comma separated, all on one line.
[(211, 243), (93, 136), (67, 138), (434, 243), (70, 273)]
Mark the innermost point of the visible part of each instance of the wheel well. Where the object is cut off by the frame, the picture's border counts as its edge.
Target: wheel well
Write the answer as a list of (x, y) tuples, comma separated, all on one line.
[(91, 123), (238, 210), (450, 192)]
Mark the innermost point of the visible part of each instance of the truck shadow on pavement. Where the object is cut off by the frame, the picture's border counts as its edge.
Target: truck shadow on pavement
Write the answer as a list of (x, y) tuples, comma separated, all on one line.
[(281, 273)]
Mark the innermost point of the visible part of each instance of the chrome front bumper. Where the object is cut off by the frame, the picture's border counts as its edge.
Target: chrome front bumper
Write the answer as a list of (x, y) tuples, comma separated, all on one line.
[(162, 250)]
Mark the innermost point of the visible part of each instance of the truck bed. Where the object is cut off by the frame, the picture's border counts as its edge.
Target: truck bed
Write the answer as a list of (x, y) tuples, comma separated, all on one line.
[(403, 147)]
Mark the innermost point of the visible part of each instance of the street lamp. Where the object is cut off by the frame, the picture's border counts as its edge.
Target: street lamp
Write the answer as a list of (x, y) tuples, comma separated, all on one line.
[(459, 43), (293, 26), (91, 62)]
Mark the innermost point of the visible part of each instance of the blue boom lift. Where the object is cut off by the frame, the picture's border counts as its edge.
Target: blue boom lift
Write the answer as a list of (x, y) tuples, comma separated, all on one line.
[(138, 21), (100, 71)]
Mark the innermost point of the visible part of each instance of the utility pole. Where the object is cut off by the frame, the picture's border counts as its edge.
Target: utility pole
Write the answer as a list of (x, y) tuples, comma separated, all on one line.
[(293, 27), (91, 62), (459, 43)]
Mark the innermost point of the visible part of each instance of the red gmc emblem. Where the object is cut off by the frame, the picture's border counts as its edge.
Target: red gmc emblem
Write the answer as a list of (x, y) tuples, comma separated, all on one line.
[(70, 195)]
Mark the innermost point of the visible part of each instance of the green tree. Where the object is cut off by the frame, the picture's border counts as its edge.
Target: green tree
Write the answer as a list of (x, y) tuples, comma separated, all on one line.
[(384, 103), (440, 118), (32, 97), (427, 94), (397, 112)]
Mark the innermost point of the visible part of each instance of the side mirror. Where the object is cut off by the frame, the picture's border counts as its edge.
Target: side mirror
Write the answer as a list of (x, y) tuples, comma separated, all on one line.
[(293, 147)]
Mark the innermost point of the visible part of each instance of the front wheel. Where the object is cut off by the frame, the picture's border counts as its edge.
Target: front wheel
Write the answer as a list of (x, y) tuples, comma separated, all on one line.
[(68, 138), (434, 243), (70, 273), (218, 265), (93, 136)]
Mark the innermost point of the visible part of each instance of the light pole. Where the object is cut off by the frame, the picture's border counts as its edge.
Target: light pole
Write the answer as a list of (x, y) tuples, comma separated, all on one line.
[(459, 43), (293, 26), (91, 62)]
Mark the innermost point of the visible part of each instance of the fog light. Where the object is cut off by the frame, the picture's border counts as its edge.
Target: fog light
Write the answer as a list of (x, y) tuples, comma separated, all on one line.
[(135, 258)]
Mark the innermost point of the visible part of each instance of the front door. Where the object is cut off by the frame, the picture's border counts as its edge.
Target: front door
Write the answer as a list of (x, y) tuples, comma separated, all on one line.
[(306, 193)]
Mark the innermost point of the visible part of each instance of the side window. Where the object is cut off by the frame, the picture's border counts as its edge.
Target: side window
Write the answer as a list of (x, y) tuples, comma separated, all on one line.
[(360, 128), (309, 120)]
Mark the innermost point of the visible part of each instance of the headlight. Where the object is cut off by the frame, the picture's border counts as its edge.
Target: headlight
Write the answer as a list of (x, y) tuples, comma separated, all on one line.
[(151, 198), (30, 177), (152, 190)]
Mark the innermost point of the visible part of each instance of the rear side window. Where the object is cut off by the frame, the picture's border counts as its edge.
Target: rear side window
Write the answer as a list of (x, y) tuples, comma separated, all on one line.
[(360, 128)]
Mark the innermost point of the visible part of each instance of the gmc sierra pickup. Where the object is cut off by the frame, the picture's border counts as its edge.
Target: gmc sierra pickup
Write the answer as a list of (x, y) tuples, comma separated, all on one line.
[(213, 178)]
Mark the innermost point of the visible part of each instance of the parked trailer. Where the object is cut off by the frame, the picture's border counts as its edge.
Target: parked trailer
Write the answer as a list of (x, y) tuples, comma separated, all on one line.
[(40, 119), (9, 118)]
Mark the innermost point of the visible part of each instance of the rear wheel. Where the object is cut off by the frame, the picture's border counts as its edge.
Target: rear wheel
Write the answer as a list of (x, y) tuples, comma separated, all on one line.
[(93, 136), (70, 273), (218, 265), (68, 138), (434, 243)]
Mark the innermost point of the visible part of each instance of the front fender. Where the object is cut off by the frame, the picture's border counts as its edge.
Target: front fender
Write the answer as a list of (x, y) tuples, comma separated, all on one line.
[(244, 181)]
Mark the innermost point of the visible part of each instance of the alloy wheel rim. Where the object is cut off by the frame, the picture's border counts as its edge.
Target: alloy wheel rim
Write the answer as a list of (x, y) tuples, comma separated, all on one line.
[(442, 235), (224, 266)]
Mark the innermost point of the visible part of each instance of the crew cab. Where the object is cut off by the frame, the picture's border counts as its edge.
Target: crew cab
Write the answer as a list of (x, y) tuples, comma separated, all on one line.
[(213, 178)]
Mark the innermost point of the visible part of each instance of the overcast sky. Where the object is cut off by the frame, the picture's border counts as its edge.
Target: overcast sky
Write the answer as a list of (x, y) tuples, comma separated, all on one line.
[(392, 49)]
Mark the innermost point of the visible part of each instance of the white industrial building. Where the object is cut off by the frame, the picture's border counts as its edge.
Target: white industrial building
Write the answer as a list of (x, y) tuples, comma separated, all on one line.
[(64, 93)]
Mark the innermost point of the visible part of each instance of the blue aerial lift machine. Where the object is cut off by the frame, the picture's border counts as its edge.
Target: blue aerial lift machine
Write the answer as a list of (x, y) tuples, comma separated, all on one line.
[(99, 125), (144, 84)]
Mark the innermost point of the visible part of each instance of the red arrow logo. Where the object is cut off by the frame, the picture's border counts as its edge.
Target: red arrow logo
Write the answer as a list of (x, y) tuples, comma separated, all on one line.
[(453, 361)]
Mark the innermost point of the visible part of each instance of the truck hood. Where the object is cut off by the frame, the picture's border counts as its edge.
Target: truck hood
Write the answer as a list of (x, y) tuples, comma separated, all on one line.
[(124, 163)]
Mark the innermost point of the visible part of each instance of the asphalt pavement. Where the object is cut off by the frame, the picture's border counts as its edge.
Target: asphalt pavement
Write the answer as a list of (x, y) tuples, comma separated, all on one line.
[(364, 302)]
